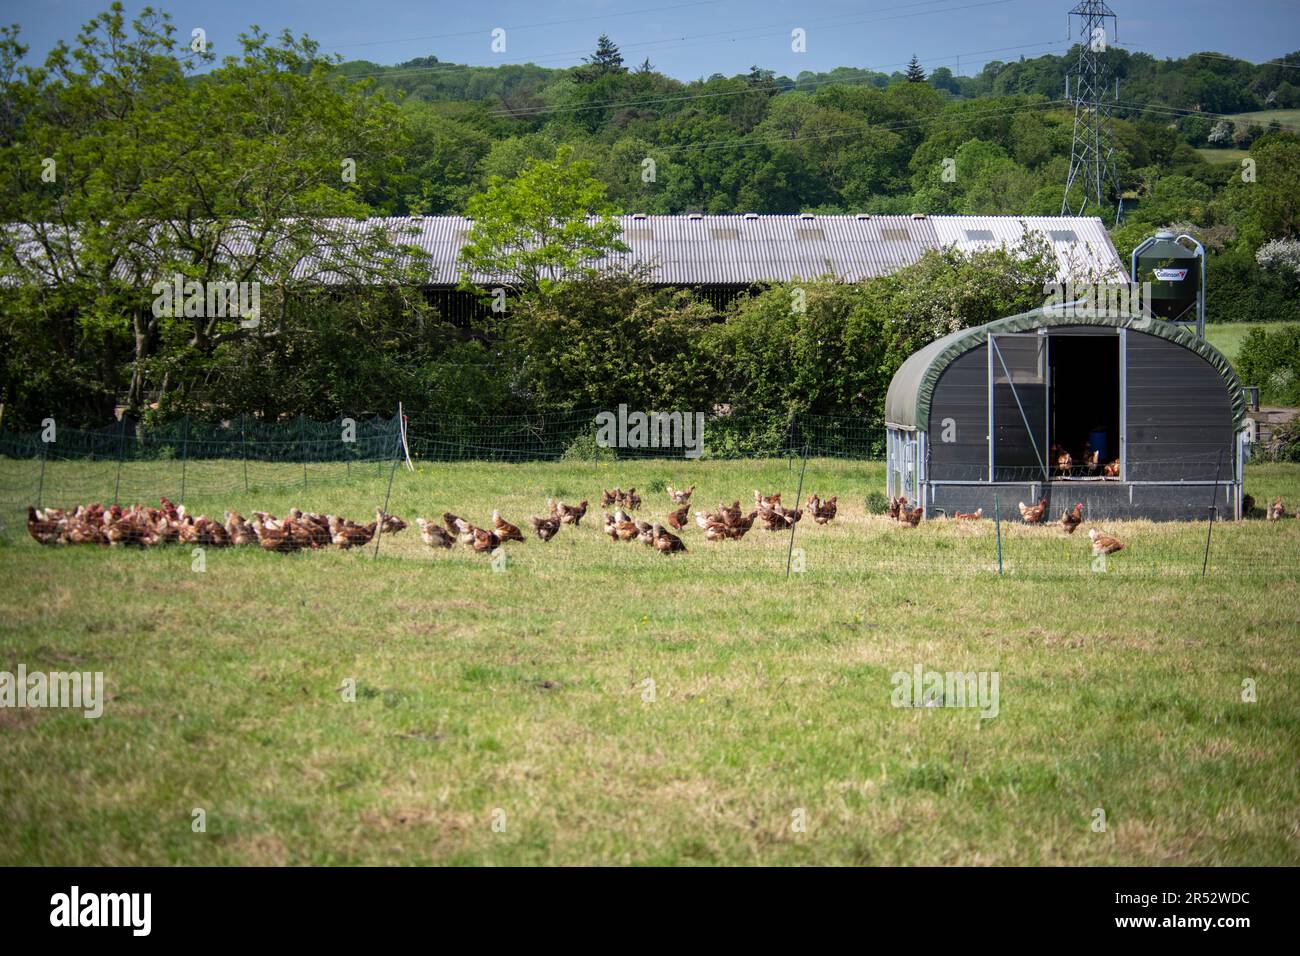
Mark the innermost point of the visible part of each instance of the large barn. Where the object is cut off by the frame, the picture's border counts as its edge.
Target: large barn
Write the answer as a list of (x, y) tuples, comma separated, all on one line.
[(1133, 417), (723, 256), (719, 257)]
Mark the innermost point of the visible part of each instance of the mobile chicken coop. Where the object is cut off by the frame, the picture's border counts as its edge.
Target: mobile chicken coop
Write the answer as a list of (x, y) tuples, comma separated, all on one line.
[(1135, 417)]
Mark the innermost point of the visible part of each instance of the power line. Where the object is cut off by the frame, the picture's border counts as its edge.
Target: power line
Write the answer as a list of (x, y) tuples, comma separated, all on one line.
[(1220, 56), (800, 86), (854, 131), (1176, 111), (701, 38)]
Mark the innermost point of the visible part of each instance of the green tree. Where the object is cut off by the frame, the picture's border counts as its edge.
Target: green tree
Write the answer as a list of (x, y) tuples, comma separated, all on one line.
[(607, 59), (610, 339), (915, 73), (543, 228), (251, 173), (1267, 204)]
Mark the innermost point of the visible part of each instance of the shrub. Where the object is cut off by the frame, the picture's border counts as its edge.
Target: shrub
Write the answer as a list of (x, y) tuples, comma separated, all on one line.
[(1281, 257), (1239, 289), (1271, 360), (877, 503), (1285, 443), (585, 448)]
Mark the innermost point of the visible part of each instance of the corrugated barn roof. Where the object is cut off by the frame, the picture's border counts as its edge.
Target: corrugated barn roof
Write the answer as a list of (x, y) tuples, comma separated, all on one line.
[(743, 249), (700, 250)]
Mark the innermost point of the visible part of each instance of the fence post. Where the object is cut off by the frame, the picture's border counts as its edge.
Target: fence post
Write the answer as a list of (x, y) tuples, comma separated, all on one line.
[(185, 449), (40, 485), (997, 523), (302, 446), (243, 449), (1214, 508), (789, 554), (379, 519), (121, 453)]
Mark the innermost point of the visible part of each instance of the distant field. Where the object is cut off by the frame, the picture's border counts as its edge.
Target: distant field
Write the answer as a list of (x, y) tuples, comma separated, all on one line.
[(1227, 337), (601, 703), (1288, 118), (1223, 155)]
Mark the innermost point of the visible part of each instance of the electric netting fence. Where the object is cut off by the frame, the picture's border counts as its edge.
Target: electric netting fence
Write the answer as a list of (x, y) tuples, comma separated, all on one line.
[(246, 462), (124, 464), (726, 433), (187, 458)]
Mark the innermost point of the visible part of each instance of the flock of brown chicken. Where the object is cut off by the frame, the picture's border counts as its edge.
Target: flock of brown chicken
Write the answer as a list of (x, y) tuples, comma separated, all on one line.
[(1274, 512), (145, 527), (169, 523), (727, 523), (1071, 518), (486, 540), (1089, 464)]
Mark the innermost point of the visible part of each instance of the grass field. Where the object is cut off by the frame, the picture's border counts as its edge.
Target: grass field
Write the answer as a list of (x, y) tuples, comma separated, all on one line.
[(1228, 337), (1222, 155), (1289, 119), (523, 698)]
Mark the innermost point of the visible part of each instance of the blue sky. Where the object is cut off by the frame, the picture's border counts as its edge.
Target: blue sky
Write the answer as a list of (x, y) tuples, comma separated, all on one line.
[(692, 38)]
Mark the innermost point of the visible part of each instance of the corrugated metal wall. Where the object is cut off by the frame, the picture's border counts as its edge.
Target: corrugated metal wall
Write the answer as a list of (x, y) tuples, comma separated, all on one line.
[(962, 395), (1019, 407), (1179, 414)]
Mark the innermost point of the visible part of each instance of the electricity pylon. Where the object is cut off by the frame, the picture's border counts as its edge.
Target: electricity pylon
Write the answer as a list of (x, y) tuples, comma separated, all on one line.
[(1092, 155)]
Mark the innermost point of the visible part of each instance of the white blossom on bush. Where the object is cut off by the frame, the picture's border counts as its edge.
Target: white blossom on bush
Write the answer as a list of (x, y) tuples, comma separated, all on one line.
[(1281, 257), (1221, 135)]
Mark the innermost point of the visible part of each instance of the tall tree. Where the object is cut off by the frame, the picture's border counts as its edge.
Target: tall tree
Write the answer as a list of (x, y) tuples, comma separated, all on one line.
[(605, 60), (915, 74), (248, 174), (542, 228)]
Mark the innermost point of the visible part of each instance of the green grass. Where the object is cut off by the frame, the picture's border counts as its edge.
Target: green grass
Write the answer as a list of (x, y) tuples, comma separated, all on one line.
[(1288, 118), (1222, 155), (523, 691), (1228, 337)]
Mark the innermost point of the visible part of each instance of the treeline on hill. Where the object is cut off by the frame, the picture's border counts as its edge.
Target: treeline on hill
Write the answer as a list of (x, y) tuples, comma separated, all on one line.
[(166, 161)]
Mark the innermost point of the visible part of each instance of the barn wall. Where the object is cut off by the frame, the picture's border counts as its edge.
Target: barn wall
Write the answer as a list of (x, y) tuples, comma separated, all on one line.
[(458, 307), (1102, 501), (1179, 414), (962, 394), (1019, 414)]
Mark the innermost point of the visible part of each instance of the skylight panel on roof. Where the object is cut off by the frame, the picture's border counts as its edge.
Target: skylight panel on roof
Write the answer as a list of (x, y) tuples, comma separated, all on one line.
[(724, 234), (979, 235), (895, 235), (1063, 235), (640, 235), (810, 235)]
